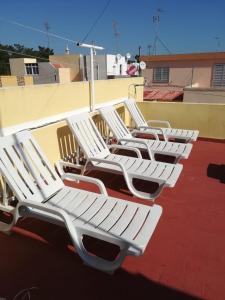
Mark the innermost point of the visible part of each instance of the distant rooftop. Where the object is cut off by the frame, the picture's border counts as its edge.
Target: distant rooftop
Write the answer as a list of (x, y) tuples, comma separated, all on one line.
[(184, 56)]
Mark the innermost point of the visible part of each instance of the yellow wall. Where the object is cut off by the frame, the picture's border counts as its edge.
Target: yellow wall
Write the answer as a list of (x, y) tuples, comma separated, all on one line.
[(8, 81), (19, 105), (29, 103), (209, 119), (25, 104), (117, 88), (50, 138), (28, 80)]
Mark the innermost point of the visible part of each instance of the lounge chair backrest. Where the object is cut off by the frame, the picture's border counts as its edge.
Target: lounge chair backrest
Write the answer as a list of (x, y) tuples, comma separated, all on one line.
[(115, 123), (88, 136), (26, 169), (135, 112)]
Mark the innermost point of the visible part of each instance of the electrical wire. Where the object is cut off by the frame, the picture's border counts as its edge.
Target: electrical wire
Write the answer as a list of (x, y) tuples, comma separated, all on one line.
[(38, 30), (96, 21)]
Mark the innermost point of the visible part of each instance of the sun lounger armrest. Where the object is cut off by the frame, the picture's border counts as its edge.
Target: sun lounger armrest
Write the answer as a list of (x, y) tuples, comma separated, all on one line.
[(60, 165), (141, 143), (118, 164), (154, 128), (97, 182), (76, 177), (109, 162), (136, 131), (167, 123), (137, 151)]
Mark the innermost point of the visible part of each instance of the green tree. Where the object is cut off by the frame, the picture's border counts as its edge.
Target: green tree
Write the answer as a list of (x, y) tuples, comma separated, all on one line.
[(18, 50)]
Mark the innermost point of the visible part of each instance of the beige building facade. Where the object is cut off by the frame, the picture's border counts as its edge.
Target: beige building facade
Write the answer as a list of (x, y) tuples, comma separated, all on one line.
[(181, 70), (70, 61), (196, 73)]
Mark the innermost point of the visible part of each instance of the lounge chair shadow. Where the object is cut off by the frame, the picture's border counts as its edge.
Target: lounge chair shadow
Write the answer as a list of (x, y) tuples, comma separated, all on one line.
[(216, 172), (54, 273)]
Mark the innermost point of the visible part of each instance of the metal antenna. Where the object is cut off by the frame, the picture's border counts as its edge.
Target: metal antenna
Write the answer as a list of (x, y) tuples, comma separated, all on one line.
[(149, 49), (156, 21), (116, 35), (218, 44), (47, 27)]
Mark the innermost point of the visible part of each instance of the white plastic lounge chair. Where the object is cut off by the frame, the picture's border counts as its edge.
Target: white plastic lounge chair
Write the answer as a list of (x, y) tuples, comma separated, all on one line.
[(124, 137), (99, 157), (40, 193), (168, 133)]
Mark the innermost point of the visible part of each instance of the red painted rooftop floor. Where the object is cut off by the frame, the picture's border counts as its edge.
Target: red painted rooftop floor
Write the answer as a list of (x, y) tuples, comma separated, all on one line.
[(184, 260)]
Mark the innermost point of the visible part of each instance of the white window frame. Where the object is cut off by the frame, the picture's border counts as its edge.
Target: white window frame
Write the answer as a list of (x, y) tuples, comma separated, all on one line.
[(32, 67)]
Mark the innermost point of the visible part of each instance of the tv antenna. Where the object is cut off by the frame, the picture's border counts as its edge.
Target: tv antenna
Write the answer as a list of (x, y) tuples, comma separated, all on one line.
[(156, 22), (149, 49), (218, 43), (116, 35), (47, 27)]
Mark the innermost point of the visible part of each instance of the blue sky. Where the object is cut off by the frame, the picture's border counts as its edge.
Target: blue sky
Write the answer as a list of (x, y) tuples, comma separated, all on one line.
[(185, 26)]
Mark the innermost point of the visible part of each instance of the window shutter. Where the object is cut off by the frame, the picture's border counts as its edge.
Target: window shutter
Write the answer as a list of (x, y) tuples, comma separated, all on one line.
[(218, 79)]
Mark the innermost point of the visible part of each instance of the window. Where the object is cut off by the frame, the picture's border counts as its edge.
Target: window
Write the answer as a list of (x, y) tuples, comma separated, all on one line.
[(218, 79), (32, 69), (161, 75)]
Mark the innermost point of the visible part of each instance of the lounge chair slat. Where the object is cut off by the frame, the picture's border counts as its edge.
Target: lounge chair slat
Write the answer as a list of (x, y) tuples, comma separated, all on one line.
[(114, 216), (136, 224), (94, 209), (126, 218), (25, 189), (103, 214)]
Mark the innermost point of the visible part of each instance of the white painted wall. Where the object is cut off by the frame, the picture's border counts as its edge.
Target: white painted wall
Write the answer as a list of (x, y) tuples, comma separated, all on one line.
[(115, 66)]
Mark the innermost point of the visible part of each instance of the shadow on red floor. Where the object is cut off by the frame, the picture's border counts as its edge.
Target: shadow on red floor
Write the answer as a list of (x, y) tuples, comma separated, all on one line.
[(184, 259), (36, 258)]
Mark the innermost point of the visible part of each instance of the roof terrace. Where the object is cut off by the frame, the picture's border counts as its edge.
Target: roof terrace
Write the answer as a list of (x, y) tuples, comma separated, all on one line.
[(185, 257)]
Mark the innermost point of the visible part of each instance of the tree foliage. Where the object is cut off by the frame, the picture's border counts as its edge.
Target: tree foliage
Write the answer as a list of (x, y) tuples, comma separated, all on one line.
[(20, 51)]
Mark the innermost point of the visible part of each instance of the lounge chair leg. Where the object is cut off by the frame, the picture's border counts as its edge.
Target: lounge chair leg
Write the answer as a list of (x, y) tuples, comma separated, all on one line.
[(84, 168), (177, 158), (148, 196), (97, 262), (143, 195), (6, 228)]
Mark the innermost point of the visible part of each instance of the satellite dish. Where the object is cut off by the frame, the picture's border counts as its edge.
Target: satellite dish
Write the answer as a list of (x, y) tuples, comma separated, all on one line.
[(128, 55), (142, 65), (118, 56)]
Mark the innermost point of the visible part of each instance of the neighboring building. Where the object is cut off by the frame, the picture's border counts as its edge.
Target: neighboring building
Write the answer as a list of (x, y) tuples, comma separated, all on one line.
[(23, 66), (192, 71), (70, 67), (70, 61), (116, 65), (105, 66), (100, 67), (42, 72)]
